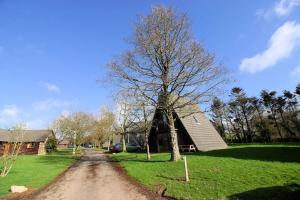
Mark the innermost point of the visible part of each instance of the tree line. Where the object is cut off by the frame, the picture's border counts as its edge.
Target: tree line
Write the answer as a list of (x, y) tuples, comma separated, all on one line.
[(266, 118), (83, 128)]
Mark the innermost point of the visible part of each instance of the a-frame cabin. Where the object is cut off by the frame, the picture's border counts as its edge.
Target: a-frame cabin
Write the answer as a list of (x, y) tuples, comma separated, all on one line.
[(192, 129)]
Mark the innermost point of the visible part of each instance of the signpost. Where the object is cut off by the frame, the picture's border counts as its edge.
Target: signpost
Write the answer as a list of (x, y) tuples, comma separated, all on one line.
[(186, 170)]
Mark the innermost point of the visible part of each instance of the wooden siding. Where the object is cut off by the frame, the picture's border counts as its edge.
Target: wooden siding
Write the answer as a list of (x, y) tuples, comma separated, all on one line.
[(27, 148)]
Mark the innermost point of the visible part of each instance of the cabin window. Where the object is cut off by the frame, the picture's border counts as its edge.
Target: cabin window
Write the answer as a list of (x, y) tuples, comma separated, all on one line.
[(29, 145), (196, 120)]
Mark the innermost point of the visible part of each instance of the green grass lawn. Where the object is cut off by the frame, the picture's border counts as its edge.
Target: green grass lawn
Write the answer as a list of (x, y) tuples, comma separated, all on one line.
[(35, 171), (239, 172)]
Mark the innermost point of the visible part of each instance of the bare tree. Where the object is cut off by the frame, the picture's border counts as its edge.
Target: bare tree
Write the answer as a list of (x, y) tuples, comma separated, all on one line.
[(75, 127), (124, 115), (143, 113), (11, 150), (166, 65), (103, 126)]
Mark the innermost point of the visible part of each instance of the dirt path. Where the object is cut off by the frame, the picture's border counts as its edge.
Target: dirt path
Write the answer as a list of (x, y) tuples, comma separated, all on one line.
[(93, 177)]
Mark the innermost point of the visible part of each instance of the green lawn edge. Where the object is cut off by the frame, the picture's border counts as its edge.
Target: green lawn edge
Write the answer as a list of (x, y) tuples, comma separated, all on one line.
[(36, 171), (238, 172)]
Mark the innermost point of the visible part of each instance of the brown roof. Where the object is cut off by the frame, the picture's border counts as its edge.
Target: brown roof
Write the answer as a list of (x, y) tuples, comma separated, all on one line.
[(200, 129), (65, 141), (27, 136), (198, 126)]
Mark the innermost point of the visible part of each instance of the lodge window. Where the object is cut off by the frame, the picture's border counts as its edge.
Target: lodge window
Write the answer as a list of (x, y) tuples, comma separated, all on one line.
[(30, 145)]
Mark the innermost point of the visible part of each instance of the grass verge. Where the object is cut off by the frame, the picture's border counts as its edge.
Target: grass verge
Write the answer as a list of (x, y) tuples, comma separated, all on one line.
[(239, 172), (35, 171)]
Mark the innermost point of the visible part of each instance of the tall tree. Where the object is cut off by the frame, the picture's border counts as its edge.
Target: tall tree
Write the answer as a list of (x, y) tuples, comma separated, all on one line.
[(166, 64), (143, 112), (261, 123), (217, 109), (281, 104), (269, 99), (292, 110), (242, 103), (125, 114), (103, 127)]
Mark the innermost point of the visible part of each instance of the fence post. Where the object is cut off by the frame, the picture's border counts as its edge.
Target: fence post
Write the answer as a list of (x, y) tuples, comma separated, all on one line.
[(186, 170)]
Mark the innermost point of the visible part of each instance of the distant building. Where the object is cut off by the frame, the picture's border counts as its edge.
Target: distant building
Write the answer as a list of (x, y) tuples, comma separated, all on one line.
[(34, 141), (65, 143)]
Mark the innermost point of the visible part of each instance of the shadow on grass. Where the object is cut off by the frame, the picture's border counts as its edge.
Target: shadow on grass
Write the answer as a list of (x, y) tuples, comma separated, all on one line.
[(288, 192), (58, 157), (136, 159), (264, 153), (179, 179)]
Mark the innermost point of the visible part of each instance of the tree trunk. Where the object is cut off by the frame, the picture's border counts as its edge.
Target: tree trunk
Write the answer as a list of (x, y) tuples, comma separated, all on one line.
[(74, 145), (277, 125), (175, 154), (249, 131), (148, 152), (147, 145), (286, 125), (244, 132), (124, 143), (223, 128)]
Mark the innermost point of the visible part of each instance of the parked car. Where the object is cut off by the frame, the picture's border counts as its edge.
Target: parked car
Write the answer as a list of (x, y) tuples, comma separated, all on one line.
[(129, 147), (87, 146)]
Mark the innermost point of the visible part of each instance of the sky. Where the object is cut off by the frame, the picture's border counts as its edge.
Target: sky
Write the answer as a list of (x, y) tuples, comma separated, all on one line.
[(53, 53)]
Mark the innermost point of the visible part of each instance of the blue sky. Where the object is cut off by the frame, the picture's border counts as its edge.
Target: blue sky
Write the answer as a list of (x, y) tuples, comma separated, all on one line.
[(53, 52)]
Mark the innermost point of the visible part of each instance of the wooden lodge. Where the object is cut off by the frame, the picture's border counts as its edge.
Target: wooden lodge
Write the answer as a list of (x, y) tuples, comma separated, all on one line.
[(34, 141)]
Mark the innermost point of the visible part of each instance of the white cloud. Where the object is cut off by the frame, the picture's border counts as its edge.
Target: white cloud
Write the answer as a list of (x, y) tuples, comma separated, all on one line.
[(48, 104), (281, 44), (10, 111), (295, 73), (35, 124), (50, 87), (285, 7), (281, 8), (9, 116)]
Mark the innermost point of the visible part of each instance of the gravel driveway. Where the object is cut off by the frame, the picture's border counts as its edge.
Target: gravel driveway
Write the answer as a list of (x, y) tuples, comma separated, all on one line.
[(93, 177)]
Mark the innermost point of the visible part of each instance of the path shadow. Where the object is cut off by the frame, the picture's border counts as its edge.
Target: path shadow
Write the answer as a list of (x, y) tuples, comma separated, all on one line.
[(136, 159), (288, 192), (264, 153), (55, 158), (179, 179)]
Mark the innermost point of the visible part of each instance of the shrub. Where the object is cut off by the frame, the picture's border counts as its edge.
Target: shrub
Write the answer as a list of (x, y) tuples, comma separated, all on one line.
[(51, 144)]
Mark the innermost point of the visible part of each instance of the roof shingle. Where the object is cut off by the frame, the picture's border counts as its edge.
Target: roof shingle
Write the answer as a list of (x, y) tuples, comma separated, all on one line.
[(28, 135)]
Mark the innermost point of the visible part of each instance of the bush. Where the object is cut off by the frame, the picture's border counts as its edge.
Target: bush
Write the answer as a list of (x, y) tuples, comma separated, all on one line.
[(51, 144)]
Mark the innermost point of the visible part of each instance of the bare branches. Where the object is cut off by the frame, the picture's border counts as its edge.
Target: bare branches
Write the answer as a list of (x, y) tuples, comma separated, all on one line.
[(11, 150), (165, 58), (166, 65)]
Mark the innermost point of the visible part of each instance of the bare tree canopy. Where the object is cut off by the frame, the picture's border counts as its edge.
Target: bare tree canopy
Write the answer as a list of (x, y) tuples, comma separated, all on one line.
[(75, 127), (167, 64), (103, 127), (166, 58)]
